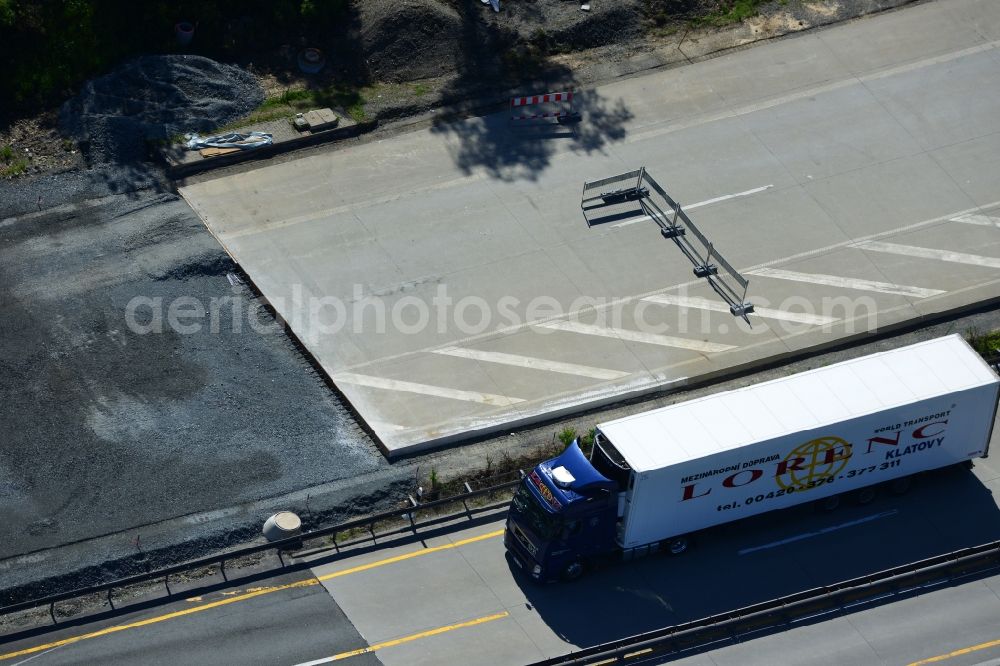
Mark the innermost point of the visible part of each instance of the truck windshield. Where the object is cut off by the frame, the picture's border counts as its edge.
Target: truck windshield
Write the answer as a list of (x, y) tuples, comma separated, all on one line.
[(608, 461), (541, 522)]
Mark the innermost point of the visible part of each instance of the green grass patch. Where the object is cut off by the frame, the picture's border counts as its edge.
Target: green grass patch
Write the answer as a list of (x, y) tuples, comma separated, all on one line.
[(15, 168), (731, 11), (420, 89), (290, 102), (566, 436), (986, 343), (7, 154)]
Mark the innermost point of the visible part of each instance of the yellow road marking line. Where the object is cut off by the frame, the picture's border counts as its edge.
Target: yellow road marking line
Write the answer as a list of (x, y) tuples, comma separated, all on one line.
[(639, 653), (406, 639), (407, 556), (248, 595), (158, 618), (957, 653)]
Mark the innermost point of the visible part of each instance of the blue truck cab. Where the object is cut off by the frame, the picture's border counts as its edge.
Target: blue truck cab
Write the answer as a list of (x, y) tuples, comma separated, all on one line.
[(563, 517)]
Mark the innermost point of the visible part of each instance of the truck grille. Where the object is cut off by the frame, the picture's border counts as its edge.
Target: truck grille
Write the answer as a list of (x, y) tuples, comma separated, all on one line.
[(523, 539)]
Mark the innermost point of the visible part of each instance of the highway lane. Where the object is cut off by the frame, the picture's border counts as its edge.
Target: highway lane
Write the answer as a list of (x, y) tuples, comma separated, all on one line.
[(952, 626), (448, 282), (281, 620), (732, 566), (455, 598)]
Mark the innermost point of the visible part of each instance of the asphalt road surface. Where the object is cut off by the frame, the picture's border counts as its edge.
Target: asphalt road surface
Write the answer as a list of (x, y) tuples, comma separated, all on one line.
[(280, 621), (454, 598), (449, 283)]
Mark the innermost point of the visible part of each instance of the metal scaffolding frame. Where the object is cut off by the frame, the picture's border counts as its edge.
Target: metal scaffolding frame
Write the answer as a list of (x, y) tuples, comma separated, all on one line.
[(653, 201)]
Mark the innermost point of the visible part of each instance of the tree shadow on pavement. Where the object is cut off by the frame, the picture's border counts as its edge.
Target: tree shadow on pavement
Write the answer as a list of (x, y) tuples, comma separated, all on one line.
[(507, 151), (495, 61)]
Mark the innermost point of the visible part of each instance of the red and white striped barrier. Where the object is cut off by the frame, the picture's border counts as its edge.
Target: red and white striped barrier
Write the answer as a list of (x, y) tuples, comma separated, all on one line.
[(564, 100)]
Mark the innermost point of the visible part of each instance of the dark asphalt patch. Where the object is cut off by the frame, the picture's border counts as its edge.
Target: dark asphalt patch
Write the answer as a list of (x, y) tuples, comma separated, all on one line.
[(103, 429)]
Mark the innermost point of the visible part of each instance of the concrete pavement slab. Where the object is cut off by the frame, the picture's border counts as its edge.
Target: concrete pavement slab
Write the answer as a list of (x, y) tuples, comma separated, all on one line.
[(415, 595), (975, 166), (775, 170), (908, 36), (835, 642), (538, 632), (784, 67), (943, 105), (895, 629), (889, 195), (814, 142), (500, 642)]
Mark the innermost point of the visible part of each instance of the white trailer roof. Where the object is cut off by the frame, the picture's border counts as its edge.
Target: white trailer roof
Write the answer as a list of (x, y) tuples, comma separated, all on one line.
[(812, 399)]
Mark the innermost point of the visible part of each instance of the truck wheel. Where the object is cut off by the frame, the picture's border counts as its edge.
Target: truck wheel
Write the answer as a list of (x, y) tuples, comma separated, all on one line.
[(677, 545), (901, 485), (828, 504), (573, 570), (865, 495)]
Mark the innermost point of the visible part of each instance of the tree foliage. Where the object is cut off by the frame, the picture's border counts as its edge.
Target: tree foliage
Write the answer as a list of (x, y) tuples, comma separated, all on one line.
[(49, 47)]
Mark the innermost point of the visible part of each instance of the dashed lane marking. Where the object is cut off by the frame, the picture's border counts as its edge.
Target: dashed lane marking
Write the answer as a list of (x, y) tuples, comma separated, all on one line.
[(981, 220), (825, 530), (637, 336), (700, 303), (532, 363), (424, 389), (406, 639), (957, 653), (929, 253), (699, 204), (847, 283)]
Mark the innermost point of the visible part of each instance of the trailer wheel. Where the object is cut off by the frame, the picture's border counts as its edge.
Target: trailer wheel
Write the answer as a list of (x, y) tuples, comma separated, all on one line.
[(865, 495), (828, 504), (573, 570), (901, 485), (677, 545)]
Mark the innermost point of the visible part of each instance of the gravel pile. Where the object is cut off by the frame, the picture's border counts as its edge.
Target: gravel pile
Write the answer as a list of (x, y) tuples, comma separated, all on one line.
[(155, 97), (403, 40), (411, 40)]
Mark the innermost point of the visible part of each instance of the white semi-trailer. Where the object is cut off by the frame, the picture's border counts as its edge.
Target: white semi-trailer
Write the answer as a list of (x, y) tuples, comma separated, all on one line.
[(656, 478)]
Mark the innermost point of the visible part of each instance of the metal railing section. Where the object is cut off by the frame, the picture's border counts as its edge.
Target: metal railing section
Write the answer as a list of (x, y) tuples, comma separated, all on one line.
[(652, 200), (769, 615), (361, 525)]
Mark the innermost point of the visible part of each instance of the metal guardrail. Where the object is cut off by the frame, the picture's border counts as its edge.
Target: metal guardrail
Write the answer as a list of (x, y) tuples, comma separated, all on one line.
[(295, 543), (654, 640), (767, 615)]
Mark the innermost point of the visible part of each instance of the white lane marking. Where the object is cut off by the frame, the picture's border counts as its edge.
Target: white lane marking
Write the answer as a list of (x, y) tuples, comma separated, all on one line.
[(533, 363), (636, 336), (981, 220), (706, 202), (424, 389), (625, 300), (767, 313), (847, 283), (40, 654), (929, 253), (825, 530)]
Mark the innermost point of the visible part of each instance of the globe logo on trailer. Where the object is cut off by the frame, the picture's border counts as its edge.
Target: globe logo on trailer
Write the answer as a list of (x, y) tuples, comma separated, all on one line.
[(808, 463)]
